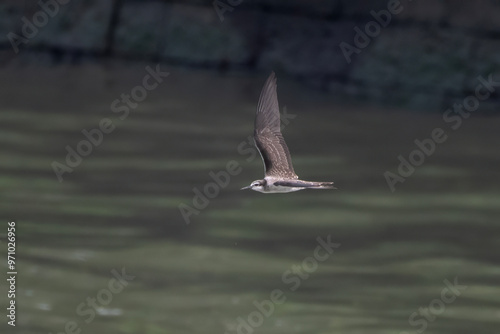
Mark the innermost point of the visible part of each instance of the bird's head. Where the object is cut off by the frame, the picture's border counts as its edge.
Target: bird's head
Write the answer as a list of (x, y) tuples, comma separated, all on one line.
[(257, 185)]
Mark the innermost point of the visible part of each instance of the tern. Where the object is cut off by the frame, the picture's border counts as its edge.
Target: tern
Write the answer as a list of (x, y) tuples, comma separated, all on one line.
[(279, 174)]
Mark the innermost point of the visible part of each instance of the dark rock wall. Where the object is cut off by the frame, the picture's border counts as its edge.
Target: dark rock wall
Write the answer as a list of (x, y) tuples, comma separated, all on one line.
[(426, 56)]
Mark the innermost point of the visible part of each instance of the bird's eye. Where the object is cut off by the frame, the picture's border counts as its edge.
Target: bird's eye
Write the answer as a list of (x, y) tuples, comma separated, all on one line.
[(255, 185)]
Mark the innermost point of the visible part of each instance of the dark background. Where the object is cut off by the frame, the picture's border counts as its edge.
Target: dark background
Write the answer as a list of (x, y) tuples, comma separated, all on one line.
[(429, 54), (120, 206)]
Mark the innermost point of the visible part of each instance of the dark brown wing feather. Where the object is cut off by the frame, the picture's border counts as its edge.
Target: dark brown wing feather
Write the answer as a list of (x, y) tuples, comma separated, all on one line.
[(267, 135)]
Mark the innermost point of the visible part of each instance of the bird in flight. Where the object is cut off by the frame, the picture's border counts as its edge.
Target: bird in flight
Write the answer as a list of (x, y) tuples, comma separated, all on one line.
[(279, 174)]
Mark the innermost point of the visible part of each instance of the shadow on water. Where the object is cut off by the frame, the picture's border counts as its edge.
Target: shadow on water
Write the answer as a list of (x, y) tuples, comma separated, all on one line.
[(119, 209)]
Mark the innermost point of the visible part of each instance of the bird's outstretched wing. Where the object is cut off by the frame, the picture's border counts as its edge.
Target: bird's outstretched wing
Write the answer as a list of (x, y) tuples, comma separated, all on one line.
[(267, 134)]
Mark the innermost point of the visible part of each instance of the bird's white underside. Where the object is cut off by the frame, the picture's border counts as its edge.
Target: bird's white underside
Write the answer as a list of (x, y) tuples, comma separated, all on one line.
[(271, 188), (277, 189)]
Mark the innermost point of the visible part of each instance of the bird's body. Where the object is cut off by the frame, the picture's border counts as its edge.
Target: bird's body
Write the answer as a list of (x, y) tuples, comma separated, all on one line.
[(279, 185), (279, 174), (268, 186)]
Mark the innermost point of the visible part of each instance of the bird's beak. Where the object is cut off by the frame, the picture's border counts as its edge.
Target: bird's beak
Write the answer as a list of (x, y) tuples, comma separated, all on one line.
[(246, 188)]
